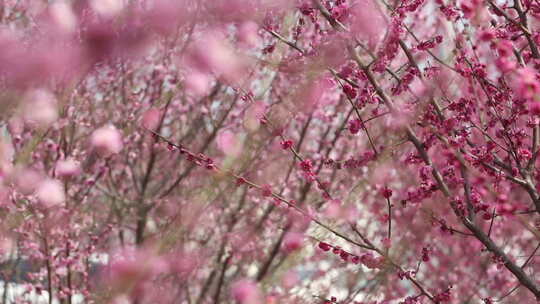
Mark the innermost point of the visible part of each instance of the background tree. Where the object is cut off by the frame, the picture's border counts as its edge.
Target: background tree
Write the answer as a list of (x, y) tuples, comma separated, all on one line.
[(258, 151)]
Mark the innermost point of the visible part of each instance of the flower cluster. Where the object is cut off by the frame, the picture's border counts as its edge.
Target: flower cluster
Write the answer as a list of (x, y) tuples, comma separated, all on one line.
[(366, 259)]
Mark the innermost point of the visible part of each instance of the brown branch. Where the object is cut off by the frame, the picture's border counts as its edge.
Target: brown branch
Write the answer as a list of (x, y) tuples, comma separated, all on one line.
[(275, 250), (221, 279), (259, 187), (284, 40)]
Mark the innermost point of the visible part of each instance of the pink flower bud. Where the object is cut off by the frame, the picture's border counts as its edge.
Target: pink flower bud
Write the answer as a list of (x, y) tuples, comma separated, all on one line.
[(355, 125), (286, 144), (386, 192), (107, 140), (324, 246)]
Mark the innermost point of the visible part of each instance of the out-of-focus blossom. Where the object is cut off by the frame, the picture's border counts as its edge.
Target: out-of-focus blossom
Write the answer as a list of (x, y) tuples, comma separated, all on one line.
[(333, 209), (6, 156), (486, 35), (165, 16), (470, 8), (211, 54), (253, 115), (197, 83), (229, 143), (107, 140), (151, 118), (107, 8), (132, 267), (367, 21), (290, 279), (62, 15), (26, 180), (246, 292), (15, 125), (40, 108), (526, 84), (27, 64), (67, 168), (292, 241), (309, 97), (50, 193), (248, 34)]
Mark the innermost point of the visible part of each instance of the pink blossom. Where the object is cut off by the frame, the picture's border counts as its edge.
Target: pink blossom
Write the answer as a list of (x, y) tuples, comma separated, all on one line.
[(292, 241), (290, 279), (300, 144), (355, 126), (27, 180), (253, 115), (50, 193), (333, 209), (40, 108), (526, 84), (107, 8), (15, 125), (469, 8), (229, 143), (246, 292), (248, 34), (130, 267), (486, 35), (151, 118), (211, 53), (67, 168), (504, 48), (63, 15), (366, 20), (198, 83), (107, 140)]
